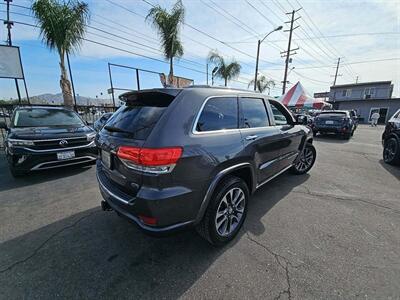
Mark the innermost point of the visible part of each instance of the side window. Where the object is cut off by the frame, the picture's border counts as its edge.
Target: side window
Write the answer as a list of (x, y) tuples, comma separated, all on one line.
[(217, 114), (253, 112), (279, 117)]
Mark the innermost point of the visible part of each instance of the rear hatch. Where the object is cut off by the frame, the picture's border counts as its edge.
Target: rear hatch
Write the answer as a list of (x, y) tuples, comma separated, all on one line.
[(331, 119), (130, 126)]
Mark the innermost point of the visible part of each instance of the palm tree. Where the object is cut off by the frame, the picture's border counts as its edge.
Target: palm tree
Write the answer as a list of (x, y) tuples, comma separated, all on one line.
[(225, 71), (263, 84), (168, 26), (62, 27)]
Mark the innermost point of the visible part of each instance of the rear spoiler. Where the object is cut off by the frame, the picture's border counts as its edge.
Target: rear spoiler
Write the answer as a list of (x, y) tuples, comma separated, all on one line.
[(136, 95)]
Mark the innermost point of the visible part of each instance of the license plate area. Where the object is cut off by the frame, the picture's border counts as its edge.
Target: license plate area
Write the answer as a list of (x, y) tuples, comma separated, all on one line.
[(106, 158), (329, 122), (65, 155)]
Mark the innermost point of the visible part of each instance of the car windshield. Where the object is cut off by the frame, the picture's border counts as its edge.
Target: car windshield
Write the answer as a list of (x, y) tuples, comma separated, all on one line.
[(332, 115), (45, 117)]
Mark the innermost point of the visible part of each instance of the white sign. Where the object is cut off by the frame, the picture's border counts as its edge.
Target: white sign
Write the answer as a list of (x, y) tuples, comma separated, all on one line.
[(10, 62)]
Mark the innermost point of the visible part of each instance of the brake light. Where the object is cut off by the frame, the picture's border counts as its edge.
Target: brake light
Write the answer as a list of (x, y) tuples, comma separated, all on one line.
[(153, 160), (160, 157), (148, 220)]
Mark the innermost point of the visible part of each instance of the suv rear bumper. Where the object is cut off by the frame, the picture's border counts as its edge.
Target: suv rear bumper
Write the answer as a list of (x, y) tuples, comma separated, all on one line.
[(337, 130), (172, 207)]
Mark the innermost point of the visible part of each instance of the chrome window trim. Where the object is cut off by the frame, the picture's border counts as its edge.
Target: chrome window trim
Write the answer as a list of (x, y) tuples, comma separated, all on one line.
[(91, 144), (237, 130), (195, 132)]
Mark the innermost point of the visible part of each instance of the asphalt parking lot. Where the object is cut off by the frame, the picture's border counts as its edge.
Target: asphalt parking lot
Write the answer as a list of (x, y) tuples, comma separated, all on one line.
[(334, 233)]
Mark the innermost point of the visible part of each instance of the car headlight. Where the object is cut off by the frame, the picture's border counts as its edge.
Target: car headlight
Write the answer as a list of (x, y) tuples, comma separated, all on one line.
[(15, 142), (91, 136)]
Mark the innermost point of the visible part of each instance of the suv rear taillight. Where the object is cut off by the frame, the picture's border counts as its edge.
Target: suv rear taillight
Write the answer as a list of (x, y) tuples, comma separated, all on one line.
[(151, 160)]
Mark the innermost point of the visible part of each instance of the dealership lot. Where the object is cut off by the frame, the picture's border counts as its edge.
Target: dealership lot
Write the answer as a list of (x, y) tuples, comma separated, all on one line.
[(334, 233)]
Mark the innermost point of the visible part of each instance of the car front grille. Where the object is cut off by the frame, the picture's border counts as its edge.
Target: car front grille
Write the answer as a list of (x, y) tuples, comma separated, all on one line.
[(60, 143)]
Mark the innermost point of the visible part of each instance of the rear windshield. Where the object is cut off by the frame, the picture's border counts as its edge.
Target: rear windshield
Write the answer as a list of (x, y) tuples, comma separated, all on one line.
[(139, 115), (332, 115), (44, 117)]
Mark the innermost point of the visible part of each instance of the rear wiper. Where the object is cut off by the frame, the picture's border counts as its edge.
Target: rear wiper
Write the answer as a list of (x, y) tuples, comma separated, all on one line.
[(116, 129)]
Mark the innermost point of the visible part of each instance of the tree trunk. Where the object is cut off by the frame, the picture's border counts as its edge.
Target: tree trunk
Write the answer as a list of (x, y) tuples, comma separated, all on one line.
[(171, 71), (226, 81), (65, 85)]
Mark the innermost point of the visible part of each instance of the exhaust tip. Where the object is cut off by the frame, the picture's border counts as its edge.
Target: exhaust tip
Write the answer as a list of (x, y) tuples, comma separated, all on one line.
[(105, 206)]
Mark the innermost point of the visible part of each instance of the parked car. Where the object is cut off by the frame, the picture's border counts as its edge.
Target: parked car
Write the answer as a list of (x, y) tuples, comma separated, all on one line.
[(334, 121), (100, 122), (172, 158), (391, 140), (47, 137), (353, 115), (4, 114)]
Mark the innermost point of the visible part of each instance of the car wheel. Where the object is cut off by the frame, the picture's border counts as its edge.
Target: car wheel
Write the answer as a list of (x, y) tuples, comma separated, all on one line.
[(391, 151), (226, 212), (347, 136), (305, 161)]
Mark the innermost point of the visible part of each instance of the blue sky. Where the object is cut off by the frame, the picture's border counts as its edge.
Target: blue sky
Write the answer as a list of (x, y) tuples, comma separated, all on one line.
[(356, 31)]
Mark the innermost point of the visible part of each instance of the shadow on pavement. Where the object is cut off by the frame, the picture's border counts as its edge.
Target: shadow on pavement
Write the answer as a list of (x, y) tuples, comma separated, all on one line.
[(394, 170), (97, 254), (267, 196), (8, 182)]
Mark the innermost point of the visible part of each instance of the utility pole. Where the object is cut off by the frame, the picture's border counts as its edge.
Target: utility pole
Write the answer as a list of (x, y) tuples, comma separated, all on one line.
[(357, 79), (207, 73), (336, 73), (288, 48), (9, 42)]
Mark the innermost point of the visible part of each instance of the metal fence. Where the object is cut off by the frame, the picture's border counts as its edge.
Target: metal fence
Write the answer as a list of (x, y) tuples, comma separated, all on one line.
[(89, 113)]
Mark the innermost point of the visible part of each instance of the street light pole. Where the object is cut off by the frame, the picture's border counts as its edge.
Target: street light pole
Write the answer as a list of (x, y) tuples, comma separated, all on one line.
[(258, 54)]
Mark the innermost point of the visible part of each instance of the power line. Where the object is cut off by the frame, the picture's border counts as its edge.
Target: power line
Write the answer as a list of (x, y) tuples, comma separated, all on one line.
[(202, 32), (311, 79), (128, 51)]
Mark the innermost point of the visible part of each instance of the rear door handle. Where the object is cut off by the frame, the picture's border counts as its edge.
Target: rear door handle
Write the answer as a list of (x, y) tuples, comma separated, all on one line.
[(251, 137)]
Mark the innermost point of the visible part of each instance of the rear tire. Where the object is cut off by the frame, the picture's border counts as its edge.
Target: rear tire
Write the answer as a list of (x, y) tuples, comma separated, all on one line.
[(391, 151), (226, 212), (306, 160), (347, 136)]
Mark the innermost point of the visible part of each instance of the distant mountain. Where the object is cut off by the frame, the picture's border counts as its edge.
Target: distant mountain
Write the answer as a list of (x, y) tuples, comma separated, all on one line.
[(58, 99)]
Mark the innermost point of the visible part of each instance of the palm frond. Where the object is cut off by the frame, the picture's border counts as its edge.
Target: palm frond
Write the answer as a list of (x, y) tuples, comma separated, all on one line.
[(168, 26), (225, 71), (62, 24)]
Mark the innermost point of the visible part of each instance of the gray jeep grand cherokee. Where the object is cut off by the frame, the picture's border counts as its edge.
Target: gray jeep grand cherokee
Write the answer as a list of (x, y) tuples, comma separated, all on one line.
[(171, 158)]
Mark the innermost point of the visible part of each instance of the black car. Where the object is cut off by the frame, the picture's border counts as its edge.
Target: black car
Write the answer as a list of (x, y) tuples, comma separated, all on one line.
[(47, 137), (391, 140), (334, 121), (177, 157), (100, 122)]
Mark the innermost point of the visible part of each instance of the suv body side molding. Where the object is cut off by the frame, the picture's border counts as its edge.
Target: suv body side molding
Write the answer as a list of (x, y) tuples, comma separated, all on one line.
[(214, 183)]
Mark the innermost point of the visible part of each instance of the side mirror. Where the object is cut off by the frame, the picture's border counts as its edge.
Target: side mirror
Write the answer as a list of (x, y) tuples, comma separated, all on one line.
[(3, 125), (300, 119)]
